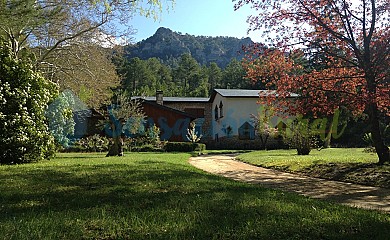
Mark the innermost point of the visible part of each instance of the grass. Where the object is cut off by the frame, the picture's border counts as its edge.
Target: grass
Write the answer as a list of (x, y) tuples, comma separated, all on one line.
[(343, 164), (160, 196)]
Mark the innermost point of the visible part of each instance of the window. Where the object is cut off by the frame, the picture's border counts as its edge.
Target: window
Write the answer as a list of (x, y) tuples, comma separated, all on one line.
[(246, 132), (220, 109), (216, 112)]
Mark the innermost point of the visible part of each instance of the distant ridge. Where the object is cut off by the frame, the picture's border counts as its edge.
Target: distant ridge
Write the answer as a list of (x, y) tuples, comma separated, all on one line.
[(168, 46)]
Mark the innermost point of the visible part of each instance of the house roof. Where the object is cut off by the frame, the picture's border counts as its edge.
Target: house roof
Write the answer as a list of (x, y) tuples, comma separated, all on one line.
[(83, 115), (230, 93), (239, 92), (174, 99), (192, 117), (244, 93)]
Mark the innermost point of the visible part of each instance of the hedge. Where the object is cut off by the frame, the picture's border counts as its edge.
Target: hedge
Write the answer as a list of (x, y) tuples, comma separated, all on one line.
[(184, 147)]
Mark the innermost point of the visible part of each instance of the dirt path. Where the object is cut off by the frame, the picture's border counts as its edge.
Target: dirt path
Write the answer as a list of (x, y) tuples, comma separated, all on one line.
[(345, 193)]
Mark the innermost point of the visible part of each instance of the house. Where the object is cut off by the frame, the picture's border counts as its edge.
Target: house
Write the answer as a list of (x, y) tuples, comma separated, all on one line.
[(173, 115), (86, 122), (225, 119), (234, 125)]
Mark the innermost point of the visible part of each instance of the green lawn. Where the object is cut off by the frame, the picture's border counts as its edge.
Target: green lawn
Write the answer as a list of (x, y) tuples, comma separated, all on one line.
[(160, 196), (345, 164)]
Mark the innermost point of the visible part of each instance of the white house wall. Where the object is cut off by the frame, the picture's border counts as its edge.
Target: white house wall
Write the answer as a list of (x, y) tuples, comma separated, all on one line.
[(236, 111)]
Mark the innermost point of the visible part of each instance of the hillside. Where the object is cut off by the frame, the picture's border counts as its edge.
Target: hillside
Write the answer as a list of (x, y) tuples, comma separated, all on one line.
[(168, 46)]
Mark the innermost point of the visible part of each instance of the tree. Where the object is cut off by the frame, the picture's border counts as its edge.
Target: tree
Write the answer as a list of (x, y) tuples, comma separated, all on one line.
[(69, 37), (233, 76), (60, 118), (262, 123), (135, 74), (126, 118), (186, 74), (198, 83), (24, 96), (354, 39), (215, 76), (85, 69), (49, 25)]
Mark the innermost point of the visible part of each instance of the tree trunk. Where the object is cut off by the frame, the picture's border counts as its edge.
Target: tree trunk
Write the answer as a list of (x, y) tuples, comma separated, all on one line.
[(116, 149), (381, 149), (328, 137)]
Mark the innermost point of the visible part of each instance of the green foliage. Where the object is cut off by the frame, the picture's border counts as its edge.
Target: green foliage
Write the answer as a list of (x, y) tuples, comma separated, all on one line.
[(233, 76), (125, 118), (262, 123), (24, 96), (367, 138), (147, 141), (300, 135), (60, 117), (73, 41), (184, 147), (186, 78), (215, 75), (95, 143), (152, 135)]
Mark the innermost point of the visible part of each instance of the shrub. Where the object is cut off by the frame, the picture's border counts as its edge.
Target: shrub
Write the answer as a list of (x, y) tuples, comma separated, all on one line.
[(95, 143), (301, 136), (60, 117), (24, 97), (184, 147), (367, 138), (152, 135), (147, 148), (192, 135)]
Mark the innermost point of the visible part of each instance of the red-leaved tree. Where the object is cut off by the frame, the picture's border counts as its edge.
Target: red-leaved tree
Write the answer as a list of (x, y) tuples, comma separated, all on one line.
[(346, 46)]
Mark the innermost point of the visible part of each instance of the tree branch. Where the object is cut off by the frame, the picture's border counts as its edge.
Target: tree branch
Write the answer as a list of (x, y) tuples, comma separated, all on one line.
[(42, 57)]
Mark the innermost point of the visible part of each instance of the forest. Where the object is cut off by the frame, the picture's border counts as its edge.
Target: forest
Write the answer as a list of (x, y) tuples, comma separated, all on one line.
[(182, 64), (187, 79)]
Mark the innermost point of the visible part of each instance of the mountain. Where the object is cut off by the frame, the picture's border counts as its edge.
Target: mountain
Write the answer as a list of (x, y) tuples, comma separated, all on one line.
[(168, 45)]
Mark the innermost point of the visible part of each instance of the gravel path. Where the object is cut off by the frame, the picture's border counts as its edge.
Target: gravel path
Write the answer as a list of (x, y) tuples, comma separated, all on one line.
[(344, 193)]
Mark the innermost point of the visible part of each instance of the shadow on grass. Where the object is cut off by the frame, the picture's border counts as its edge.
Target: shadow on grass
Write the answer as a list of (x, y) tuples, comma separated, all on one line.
[(370, 174), (80, 155), (171, 201)]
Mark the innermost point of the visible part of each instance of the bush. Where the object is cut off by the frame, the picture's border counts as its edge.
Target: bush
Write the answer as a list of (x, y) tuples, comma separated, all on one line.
[(146, 148), (301, 136), (24, 97), (95, 143), (60, 117), (184, 147)]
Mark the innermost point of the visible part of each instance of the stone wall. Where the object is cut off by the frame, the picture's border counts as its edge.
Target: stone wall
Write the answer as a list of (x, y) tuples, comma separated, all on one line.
[(234, 143), (206, 127)]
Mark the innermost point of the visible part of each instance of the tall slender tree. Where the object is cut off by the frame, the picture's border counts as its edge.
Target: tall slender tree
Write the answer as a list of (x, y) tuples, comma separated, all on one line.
[(214, 75), (186, 73)]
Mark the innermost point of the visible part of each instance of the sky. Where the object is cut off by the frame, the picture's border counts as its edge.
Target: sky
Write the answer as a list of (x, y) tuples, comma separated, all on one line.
[(199, 18)]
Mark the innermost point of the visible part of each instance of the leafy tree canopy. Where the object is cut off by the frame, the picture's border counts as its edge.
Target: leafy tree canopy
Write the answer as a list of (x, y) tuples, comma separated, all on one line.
[(68, 39), (348, 40)]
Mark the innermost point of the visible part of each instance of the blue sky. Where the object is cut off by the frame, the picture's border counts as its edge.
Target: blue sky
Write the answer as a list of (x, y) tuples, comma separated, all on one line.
[(199, 17)]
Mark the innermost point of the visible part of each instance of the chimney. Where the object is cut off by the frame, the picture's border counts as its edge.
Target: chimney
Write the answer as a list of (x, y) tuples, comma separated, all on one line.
[(159, 97)]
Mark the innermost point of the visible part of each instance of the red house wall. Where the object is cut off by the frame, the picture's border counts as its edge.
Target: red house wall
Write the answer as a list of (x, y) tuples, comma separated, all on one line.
[(173, 124)]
